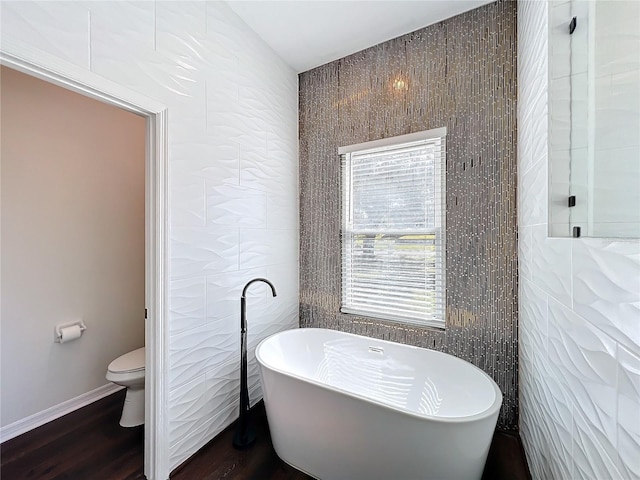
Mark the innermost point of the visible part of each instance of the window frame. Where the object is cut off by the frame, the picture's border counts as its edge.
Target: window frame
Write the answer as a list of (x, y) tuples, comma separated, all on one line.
[(434, 321)]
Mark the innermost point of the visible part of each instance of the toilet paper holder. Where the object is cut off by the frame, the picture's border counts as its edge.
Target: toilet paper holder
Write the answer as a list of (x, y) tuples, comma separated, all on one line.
[(57, 330)]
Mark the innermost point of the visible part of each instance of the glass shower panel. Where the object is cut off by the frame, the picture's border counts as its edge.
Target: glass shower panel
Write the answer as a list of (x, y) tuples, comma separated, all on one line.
[(605, 118)]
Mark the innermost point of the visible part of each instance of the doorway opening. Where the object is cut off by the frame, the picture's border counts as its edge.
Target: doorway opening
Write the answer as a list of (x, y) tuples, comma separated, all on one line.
[(70, 77)]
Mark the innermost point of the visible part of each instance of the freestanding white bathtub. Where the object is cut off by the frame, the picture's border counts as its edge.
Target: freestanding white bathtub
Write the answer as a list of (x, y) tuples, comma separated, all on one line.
[(343, 406)]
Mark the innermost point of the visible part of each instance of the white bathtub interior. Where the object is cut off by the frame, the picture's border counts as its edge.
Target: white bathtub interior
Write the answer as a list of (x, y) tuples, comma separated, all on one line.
[(411, 379)]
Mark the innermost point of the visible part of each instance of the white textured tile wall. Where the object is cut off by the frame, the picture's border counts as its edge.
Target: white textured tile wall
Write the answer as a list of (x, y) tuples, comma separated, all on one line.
[(233, 175), (579, 300)]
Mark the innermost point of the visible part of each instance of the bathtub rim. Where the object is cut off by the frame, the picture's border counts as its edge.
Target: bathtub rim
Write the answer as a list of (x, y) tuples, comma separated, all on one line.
[(493, 409)]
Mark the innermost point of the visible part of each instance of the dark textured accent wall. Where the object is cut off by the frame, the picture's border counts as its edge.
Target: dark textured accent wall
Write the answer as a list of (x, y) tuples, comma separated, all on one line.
[(460, 73)]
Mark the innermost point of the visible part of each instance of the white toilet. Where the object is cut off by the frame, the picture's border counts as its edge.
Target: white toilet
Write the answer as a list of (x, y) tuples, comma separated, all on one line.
[(128, 370)]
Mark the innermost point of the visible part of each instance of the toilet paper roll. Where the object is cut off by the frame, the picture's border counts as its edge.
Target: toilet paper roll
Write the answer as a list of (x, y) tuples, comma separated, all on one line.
[(68, 334)]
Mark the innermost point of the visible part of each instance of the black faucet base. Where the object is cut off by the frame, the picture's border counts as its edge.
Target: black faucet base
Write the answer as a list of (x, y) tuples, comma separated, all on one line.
[(243, 440)]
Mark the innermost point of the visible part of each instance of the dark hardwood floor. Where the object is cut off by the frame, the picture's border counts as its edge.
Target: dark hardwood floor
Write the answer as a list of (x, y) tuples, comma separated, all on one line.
[(89, 444), (85, 444)]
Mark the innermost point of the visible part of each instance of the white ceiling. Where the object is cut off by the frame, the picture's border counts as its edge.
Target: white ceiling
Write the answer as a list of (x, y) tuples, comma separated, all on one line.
[(307, 34)]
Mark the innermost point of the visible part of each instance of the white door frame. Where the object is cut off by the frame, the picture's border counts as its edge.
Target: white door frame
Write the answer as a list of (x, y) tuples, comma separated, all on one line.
[(42, 65)]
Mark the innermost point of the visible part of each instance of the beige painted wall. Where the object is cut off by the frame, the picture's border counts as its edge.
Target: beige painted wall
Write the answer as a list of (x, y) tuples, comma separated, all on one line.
[(72, 241)]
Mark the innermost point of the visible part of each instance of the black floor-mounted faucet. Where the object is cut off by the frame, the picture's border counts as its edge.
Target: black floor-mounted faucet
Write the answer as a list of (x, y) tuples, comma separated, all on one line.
[(244, 435)]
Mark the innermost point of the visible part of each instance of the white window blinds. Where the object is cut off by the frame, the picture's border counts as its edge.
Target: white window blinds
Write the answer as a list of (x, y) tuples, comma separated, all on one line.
[(393, 245)]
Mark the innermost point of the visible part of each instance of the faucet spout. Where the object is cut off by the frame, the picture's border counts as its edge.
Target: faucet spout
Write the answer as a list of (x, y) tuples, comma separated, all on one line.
[(244, 435), (244, 290)]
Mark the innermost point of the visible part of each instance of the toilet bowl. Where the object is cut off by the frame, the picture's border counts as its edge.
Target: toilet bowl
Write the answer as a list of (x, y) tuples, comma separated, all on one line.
[(128, 371)]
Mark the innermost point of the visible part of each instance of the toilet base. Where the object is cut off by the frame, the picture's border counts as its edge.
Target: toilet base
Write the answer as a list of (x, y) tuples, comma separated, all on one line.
[(133, 409)]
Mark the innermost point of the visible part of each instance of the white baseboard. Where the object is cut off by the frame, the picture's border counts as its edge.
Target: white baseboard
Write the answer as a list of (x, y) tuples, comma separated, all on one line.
[(37, 419)]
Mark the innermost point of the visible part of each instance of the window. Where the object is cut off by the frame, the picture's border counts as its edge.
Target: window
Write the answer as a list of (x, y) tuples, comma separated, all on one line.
[(393, 225)]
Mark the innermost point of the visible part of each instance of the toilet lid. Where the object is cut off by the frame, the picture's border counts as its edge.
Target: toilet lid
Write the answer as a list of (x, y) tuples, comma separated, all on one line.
[(129, 362)]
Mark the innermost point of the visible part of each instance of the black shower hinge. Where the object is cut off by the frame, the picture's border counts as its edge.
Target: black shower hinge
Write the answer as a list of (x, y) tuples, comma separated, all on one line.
[(145, 313), (576, 232), (572, 25), (572, 201)]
